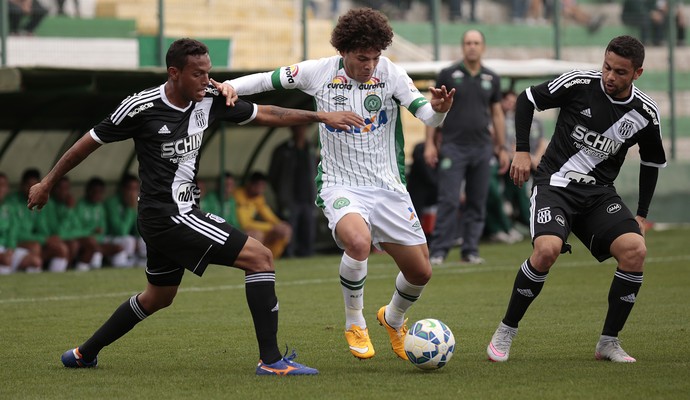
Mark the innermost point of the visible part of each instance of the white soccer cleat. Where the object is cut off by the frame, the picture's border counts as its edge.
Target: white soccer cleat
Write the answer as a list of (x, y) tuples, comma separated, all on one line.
[(499, 347), (609, 348)]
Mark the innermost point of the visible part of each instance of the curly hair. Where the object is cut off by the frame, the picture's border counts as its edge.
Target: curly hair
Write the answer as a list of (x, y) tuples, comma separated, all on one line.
[(362, 29)]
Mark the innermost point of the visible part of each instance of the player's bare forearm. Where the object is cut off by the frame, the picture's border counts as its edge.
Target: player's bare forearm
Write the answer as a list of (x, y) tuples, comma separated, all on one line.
[(38, 194), (279, 116)]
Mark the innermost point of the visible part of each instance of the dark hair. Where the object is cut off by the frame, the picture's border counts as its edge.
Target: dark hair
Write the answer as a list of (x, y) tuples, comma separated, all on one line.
[(180, 49), (627, 47), (507, 93), (127, 178), (362, 29), (256, 177), (31, 173), (94, 182)]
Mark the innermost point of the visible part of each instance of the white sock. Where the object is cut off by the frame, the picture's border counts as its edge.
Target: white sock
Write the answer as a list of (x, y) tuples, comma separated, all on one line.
[(82, 266), (97, 260), (404, 296), (58, 264), (353, 274), (121, 260)]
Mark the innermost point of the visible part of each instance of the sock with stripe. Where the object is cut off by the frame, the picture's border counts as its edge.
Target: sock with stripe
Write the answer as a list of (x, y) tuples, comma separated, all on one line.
[(263, 305), (404, 296), (122, 321), (622, 295), (527, 286), (353, 275)]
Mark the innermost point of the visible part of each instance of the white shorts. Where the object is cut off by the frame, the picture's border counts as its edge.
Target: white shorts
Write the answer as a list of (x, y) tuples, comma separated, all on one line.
[(390, 215)]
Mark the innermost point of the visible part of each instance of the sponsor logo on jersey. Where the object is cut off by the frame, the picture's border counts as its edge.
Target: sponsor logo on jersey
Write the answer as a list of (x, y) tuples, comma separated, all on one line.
[(373, 83), (139, 109), (578, 81), (341, 202), (164, 130), (182, 149), (614, 208), (291, 73), (544, 215), (457, 76), (593, 143), (186, 193), (339, 82), (580, 178), (372, 103), (625, 129), (200, 118), (340, 100), (651, 113), (586, 112), (560, 219)]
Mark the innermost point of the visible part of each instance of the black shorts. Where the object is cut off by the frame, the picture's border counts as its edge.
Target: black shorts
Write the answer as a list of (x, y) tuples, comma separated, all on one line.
[(595, 214), (190, 241)]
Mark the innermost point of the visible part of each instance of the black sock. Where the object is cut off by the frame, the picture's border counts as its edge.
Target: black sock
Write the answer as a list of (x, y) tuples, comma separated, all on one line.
[(122, 321), (528, 284), (622, 295), (263, 304)]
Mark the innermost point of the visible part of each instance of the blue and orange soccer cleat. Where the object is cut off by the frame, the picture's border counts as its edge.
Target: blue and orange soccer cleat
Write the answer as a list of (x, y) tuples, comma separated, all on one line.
[(73, 359), (285, 366)]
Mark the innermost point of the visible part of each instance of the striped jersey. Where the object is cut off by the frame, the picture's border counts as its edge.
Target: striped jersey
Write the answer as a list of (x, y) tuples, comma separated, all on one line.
[(369, 156), (167, 141), (594, 131)]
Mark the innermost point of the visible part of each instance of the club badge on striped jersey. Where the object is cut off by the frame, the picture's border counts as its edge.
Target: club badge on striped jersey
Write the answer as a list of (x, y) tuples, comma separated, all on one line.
[(372, 103)]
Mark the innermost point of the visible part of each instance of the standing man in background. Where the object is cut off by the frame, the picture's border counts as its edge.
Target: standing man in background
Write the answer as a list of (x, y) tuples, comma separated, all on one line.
[(467, 147)]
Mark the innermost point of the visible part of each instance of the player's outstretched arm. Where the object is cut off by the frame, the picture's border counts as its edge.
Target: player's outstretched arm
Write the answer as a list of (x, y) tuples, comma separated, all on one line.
[(279, 116), (38, 194)]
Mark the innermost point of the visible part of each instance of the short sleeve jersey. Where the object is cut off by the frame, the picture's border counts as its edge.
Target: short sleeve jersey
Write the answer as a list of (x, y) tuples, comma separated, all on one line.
[(468, 120), (369, 156), (594, 131), (167, 141)]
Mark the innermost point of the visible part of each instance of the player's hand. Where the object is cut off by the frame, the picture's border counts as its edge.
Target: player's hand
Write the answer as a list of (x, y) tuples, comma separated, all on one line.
[(520, 168), (38, 196), (226, 90), (441, 99), (642, 222), (342, 120)]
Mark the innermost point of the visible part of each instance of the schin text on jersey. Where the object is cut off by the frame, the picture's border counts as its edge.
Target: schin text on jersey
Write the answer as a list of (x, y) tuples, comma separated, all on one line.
[(182, 147), (594, 143)]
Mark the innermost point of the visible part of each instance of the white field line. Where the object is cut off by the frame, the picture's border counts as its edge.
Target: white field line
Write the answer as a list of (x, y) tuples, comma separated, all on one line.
[(444, 269)]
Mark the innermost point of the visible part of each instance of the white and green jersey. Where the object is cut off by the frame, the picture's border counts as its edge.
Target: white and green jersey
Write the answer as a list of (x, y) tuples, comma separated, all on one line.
[(372, 155)]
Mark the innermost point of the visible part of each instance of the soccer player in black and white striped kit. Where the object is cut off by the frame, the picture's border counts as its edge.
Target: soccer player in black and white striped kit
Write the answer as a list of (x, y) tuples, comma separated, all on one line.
[(602, 114), (167, 124)]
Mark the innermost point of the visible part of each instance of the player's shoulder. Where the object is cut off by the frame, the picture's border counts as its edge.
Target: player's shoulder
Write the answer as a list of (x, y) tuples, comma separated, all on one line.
[(647, 104), (575, 78), (136, 104)]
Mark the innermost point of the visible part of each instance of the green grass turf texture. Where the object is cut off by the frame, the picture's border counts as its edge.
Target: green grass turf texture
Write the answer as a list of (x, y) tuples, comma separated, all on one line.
[(203, 347)]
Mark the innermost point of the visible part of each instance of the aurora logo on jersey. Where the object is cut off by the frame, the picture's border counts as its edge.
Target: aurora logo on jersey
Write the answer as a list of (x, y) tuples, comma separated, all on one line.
[(373, 83), (183, 149), (370, 124), (339, 82), (593, 143), (291, 73)]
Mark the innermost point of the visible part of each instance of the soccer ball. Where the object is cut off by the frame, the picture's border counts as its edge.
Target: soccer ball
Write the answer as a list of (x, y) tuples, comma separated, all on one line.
[(429, 344)]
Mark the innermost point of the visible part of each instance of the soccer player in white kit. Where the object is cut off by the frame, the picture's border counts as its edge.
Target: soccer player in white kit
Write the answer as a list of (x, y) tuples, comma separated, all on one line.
[(361, 176)]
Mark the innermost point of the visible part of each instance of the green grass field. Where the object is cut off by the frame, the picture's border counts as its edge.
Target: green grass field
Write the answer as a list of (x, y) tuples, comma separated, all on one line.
[(203, 347)]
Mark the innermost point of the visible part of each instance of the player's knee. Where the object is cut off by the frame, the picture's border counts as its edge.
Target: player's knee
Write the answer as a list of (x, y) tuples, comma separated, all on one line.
[(544, 257), (262, 261), (630, 254), (358, 246)]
